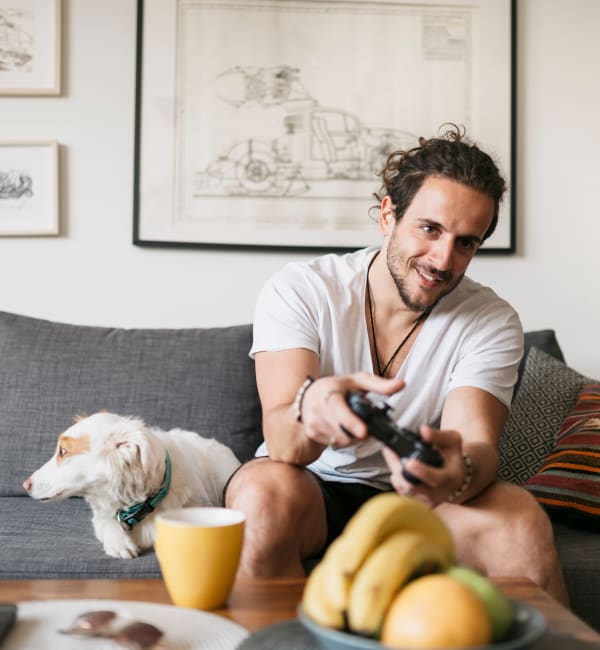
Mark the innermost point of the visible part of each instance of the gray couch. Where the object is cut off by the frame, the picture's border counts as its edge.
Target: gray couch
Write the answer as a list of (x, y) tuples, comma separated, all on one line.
[(197, 379)]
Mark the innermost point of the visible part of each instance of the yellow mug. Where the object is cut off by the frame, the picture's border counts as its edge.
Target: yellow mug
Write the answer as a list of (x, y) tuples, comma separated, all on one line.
[(199, 550)]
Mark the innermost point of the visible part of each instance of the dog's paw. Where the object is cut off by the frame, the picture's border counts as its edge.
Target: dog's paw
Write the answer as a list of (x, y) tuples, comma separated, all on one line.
[(118, 544), (124, 551)]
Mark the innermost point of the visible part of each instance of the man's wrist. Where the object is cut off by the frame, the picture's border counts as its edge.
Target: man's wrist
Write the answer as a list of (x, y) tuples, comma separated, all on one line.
[(464, 486), (297, 405)]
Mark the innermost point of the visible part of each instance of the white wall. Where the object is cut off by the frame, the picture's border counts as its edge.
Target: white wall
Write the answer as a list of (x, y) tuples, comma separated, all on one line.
[(92, 274), (554, 281)]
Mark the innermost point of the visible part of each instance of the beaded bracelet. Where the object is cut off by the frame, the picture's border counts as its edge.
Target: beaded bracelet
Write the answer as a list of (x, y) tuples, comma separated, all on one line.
[(300, 397), (466, 481)]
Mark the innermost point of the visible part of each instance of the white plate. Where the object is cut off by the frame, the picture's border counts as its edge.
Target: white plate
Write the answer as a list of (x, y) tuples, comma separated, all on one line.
[(39, 622)]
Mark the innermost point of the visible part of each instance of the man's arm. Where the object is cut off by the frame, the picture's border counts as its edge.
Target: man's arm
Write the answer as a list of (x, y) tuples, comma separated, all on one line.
[(479, 417), (279, 375)]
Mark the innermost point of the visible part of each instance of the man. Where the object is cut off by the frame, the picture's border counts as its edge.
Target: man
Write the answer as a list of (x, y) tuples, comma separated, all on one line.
[(404, 324)]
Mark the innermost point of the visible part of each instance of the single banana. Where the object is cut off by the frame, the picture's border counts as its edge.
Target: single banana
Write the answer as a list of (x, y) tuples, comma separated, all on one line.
[(335, 581), (383, 515), (387, 569), (316, 603)]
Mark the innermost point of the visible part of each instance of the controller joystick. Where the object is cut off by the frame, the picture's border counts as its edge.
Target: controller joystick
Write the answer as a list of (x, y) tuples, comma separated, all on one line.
[(406, 443)]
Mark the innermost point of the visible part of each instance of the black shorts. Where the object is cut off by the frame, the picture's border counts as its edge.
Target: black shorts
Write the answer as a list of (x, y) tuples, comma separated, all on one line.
[(342, 500)]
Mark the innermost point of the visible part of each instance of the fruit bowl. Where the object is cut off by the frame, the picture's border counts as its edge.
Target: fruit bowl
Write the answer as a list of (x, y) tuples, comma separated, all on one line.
[(528, 626)]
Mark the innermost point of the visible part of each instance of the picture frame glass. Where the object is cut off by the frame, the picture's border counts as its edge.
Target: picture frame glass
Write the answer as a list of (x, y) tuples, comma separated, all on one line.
[(28, 188), (30, 47), (264, 122)]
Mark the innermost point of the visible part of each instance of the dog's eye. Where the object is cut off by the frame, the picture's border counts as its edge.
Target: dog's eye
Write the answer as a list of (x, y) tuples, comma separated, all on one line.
[(62, 451)]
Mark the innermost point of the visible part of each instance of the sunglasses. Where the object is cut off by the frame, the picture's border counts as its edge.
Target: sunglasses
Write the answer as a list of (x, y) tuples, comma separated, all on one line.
[(134, 635)]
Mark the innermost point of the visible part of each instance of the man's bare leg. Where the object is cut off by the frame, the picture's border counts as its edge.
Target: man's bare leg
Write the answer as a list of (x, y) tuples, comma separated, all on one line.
[(504, 532), (285, 517)]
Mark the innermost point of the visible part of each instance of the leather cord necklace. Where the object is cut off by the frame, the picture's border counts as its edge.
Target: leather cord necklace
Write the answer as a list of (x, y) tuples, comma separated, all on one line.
[(381, 372)]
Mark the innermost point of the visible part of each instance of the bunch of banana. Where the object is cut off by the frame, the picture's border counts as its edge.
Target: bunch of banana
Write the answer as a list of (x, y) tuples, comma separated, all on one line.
[(389, 540)]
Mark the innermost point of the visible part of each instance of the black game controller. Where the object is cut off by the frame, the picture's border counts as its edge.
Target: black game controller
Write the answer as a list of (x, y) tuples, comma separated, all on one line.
[(406, 443)]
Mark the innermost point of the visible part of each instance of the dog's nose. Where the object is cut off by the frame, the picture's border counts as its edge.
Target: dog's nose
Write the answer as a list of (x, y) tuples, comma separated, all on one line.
[(27, 484)]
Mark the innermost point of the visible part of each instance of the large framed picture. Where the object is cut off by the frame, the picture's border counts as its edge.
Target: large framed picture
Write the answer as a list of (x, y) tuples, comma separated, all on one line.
[(28, 188), (263, 123), (30, 46)]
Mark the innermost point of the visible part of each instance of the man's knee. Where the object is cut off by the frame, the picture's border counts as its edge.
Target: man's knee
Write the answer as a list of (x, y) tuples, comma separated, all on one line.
[(262, 481), (524, 519), (503, 517), (513, 536), (535, 539), (285, 498), (285, 516), (249, 484), (535, 536)]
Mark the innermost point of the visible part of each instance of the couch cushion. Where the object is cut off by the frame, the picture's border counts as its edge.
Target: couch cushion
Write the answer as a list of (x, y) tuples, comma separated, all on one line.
[(579, 553), (568, 482), (196, 379), (544, 340), (548, 390), (56, 540)]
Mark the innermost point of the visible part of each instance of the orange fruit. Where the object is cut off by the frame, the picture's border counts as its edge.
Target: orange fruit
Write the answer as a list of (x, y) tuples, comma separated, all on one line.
[(436, 611)]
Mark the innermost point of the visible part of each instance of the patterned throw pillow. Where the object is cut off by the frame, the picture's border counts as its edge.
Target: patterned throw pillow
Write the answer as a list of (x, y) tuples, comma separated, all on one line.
[(547, 392), (568, 483)]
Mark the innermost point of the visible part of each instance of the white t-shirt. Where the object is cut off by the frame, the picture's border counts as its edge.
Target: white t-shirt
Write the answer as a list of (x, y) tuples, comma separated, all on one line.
[(471, 338)]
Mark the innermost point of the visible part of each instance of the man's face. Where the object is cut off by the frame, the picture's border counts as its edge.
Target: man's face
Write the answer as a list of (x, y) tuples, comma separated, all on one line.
[(429, 249)]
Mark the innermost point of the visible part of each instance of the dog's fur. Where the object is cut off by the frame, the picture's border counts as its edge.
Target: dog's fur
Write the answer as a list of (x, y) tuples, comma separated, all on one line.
[(114, 462)]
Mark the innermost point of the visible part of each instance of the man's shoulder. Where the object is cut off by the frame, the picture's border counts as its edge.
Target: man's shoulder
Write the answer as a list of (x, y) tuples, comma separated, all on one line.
[(483, 321), (475, 310), (473, 295), (330, 267)]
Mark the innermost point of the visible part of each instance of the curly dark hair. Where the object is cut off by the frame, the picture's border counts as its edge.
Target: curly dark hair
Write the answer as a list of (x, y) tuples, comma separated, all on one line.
[(451, 155)]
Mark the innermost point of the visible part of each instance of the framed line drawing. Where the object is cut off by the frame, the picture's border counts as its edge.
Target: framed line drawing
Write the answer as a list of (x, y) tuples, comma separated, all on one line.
[(28, 188), (262, 123), (30, 47)]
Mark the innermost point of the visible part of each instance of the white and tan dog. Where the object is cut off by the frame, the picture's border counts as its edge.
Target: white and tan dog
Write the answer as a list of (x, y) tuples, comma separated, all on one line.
[(126, 470)]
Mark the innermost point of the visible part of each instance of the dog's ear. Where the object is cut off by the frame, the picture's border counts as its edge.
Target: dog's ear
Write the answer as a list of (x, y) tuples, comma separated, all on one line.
[(129, 451), (132, 444)]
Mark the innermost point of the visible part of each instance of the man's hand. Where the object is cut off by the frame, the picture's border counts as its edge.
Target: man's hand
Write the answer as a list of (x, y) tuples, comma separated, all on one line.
[(326, 417), (437, 483), (323, 408), (479, 416)]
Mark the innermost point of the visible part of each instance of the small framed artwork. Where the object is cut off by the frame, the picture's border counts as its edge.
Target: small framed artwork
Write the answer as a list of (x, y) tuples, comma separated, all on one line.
[(30, 46), (264, 123), (28, 188)]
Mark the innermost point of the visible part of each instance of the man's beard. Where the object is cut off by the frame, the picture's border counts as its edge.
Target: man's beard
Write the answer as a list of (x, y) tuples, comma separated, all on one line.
[(401, 284)]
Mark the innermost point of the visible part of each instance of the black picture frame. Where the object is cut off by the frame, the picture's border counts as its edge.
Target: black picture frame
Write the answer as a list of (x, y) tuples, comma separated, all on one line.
[(259, 211)]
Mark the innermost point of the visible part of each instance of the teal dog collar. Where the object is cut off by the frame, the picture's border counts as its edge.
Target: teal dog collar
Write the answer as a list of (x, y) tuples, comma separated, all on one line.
[(129, 517)]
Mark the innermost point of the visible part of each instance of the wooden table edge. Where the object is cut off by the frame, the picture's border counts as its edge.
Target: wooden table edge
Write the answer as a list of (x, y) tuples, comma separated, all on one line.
[(257, 603)]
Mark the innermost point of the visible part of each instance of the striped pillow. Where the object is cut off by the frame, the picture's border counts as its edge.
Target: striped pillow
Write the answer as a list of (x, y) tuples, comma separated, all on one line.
[(568, 483)]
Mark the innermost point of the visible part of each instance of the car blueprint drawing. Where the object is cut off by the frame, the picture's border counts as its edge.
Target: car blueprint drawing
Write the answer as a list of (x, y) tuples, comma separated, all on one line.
[(316, 143)]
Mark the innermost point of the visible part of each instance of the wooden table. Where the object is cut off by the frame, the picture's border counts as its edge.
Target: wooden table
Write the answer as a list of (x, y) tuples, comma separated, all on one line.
[(257, 603)]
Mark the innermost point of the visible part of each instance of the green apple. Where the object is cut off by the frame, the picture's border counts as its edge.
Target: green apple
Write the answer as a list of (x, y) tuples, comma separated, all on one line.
[(498, 605)]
